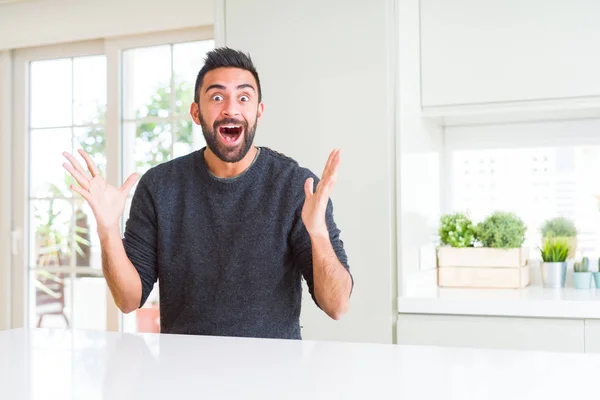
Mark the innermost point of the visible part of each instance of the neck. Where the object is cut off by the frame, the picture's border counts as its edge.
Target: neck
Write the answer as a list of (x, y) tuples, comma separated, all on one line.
[(222, 169)]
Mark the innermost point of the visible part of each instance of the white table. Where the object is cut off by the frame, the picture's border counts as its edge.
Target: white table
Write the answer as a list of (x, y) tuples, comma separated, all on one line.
[(62, 364)]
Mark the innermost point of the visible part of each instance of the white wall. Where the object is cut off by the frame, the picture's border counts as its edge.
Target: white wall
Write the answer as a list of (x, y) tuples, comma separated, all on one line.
[(481, 51), (41, 22), (328, 82), (420, 162)]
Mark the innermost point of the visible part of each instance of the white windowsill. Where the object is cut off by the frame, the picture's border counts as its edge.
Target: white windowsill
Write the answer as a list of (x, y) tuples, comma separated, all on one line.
[(532, 301)]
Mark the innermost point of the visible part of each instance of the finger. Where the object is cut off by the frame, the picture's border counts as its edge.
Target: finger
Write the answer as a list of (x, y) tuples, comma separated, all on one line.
[(82, 180), (331, 162), (308, 187), (327, 164), (76, 165), (326, 185), (126, 188), (90, 163), (84, 193), (333, 167)]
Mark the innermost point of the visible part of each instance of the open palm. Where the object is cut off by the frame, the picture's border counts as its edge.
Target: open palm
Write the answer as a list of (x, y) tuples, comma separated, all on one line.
[(107, 202), (315, 204)]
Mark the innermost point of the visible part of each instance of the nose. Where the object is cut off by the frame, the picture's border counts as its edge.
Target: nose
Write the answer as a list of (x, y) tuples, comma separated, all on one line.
[(230, 108)]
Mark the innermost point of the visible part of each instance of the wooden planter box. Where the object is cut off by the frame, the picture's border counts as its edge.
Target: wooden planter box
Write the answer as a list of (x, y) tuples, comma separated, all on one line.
[(480, 267), (489, 278), (482, 257)]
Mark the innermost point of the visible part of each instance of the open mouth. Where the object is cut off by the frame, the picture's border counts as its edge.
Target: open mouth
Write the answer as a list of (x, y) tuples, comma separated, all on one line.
[(230, 133)]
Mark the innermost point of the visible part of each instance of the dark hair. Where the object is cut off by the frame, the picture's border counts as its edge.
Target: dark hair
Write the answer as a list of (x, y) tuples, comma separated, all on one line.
[(224, 57)]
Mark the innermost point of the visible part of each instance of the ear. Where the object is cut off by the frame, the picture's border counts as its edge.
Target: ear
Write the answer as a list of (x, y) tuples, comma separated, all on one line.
[(194, 113), (261, 109)]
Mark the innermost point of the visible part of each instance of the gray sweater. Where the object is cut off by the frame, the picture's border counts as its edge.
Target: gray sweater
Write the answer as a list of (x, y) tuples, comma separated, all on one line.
[(229, 254)]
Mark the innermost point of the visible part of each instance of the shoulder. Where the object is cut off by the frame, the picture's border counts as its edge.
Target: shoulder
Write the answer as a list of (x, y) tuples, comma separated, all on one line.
[(168, 172), (281, 163)]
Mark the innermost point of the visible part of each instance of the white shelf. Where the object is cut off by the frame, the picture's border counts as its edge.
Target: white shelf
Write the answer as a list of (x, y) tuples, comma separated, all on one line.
[(517, 111), (532, 301)]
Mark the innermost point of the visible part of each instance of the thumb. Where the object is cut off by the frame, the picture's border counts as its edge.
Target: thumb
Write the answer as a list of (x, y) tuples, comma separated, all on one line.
[(126, 188), (308, 187)]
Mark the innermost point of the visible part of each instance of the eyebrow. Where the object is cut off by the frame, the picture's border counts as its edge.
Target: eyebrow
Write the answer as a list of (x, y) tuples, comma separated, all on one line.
[(221, 87)]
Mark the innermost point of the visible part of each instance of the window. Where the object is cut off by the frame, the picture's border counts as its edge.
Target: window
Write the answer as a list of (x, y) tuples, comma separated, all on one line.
[(65, 284), (537, 183)]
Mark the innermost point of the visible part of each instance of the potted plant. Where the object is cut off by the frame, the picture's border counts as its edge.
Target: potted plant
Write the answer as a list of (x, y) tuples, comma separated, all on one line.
[(561, 227), (554, 252), (490, 254), (597, 276), (502, 230), (581, 275), (457, 230)]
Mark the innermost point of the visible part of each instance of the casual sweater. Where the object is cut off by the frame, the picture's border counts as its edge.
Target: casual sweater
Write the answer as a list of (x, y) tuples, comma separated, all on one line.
[(229, 254)]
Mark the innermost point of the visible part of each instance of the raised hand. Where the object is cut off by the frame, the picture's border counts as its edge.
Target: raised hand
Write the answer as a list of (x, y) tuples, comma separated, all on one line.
[(315, 204), (107, 202)]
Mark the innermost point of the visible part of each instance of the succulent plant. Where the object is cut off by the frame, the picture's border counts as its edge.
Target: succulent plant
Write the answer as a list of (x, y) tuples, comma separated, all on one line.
[(555, 249), (585, 261)]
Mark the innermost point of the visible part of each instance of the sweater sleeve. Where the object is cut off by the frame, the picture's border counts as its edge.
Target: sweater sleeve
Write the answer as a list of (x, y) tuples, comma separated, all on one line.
[(302, 249), (140, 238)]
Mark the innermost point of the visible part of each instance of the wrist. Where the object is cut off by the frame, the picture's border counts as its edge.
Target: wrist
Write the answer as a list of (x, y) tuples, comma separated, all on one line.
[(108, 232), (319, 235)]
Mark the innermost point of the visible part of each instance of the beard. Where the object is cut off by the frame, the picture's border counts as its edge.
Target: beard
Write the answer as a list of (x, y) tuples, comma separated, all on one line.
[(227, 153)]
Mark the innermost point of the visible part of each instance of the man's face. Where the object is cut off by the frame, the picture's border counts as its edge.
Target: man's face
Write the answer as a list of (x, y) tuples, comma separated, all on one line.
[(228, 112)]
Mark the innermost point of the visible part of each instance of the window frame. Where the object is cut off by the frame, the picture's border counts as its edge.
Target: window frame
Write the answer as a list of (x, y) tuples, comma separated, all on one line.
[(6, 248)]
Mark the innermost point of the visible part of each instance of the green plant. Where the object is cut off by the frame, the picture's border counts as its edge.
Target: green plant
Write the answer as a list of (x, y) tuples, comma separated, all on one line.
[(501, 230), (555, 249), (582, 266), (559, 226), (456, 230)]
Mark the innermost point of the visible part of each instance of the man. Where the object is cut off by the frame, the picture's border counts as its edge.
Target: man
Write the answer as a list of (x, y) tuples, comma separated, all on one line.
[(229, 230)]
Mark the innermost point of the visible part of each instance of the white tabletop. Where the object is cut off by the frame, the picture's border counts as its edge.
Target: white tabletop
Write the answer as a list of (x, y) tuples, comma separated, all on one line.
[(62, 364)]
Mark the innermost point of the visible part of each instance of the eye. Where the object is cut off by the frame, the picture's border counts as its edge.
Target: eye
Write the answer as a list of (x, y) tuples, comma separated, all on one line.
[(244, 98), (217, 97)]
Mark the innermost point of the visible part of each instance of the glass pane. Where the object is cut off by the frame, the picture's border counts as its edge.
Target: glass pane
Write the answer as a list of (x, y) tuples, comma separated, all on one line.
[(50, 298), (150, 144), (47, 177), (93, 141), (89, 90), (65, 300), (184, 138), (188, 59), (51, 93), (86, 242), (188, 138), (50, 233), (147, 82), (537, 184), (89, 301)]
